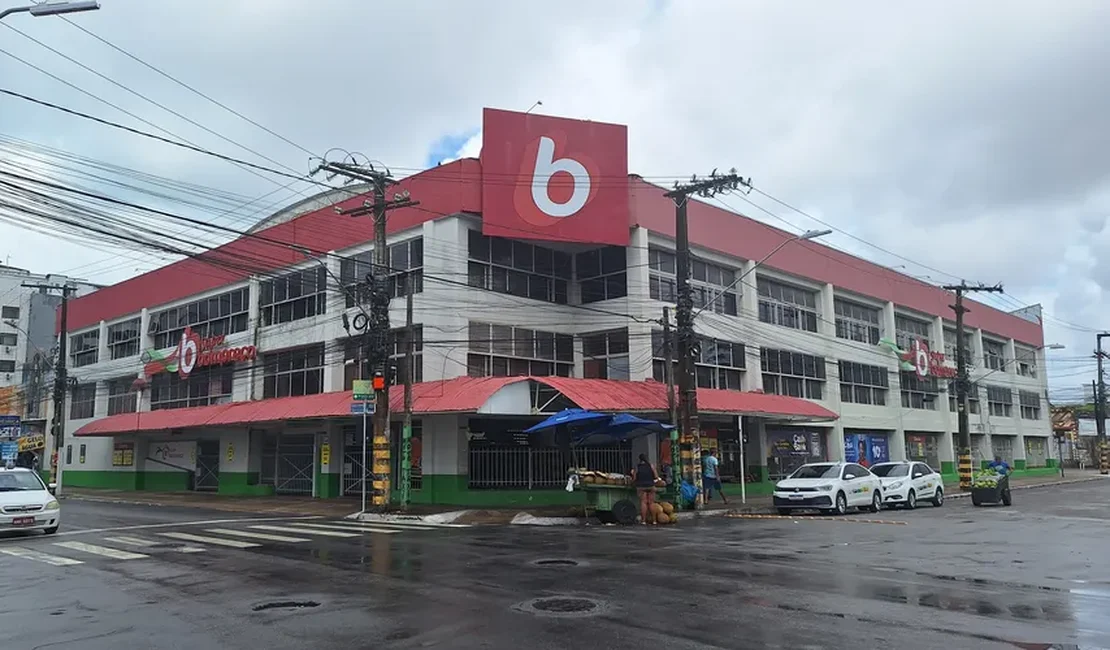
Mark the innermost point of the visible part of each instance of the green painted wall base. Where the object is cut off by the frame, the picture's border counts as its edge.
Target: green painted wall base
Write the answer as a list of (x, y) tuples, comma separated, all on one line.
[(328, 485), (1019, 463), (109, 480), (948, 467), (243, 484), (1051, 462)]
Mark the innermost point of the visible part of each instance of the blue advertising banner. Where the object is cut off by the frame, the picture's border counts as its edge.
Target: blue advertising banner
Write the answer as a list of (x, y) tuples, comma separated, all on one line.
[(8, 451), (11, 427), (866, 449)]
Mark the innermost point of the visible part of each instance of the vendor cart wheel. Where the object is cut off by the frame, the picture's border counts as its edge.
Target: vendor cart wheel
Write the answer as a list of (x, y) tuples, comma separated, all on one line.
[(605, 517), (975, 501), (625, 512), (1006, 497)]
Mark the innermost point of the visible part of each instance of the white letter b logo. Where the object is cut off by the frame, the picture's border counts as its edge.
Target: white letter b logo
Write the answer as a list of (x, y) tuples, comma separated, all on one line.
[(546, 167)]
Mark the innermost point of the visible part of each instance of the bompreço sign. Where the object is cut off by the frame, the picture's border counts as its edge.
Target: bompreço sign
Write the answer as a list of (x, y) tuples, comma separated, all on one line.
[(193, 352), (554, 179)]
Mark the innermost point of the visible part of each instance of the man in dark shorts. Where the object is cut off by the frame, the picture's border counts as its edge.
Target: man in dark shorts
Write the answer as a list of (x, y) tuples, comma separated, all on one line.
[(711, 477)]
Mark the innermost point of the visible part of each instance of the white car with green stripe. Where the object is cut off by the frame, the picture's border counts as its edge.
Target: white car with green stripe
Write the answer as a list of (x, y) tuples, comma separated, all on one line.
[(908, 483)]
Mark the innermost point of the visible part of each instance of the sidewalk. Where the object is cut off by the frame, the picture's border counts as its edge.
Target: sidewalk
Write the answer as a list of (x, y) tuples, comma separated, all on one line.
[(279, 505)]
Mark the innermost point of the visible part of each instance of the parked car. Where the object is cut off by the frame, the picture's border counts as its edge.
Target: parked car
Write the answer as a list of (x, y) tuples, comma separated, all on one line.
[(26, 503), (830, 487), (905, 483)]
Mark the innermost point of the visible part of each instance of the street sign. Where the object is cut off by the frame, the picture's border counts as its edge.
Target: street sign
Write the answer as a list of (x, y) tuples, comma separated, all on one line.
[(8, 451), (33, 442), (11, 426), (363, 390), (361, 408)]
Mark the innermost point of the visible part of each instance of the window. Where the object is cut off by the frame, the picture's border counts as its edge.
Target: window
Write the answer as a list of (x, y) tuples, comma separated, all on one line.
[(7, 366), (856, 322), (606, 355), (203, 387), (358, 365), (518, 268), (950, 347), (9, 340), (720, 364), (788, 306), (84, 348), (907, 329), (917, 392), (602, 273), (82, 402), (405, 259), (863, 384), (293, 296), (122, 396), (123, 340), (972, 398), (219, 315), (1026, 361), (295, 372), (507, 351), (792, 373), (1030, 405), (994, 354), (1000, 401), (9, 313), (708, 282)]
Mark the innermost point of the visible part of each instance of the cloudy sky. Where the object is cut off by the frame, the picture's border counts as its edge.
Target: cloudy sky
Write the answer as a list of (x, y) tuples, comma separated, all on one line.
[(953, 140)]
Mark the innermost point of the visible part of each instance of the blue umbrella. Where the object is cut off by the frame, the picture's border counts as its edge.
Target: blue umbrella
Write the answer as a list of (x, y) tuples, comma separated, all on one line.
[(621, 427), (568, 416)]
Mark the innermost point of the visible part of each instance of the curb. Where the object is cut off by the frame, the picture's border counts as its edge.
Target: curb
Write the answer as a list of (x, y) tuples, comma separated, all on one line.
[(440, 518), (1085, 479)]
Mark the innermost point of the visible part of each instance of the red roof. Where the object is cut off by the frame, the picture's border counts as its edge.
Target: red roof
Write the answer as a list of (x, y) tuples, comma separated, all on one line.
[(459, 395)]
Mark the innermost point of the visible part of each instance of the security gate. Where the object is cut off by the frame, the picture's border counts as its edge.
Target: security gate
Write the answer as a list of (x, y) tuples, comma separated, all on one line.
[(288, 462), (353, 462), (208, 465)]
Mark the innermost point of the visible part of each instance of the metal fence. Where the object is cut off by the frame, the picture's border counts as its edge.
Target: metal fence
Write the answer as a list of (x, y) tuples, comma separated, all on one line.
[(537, 468)]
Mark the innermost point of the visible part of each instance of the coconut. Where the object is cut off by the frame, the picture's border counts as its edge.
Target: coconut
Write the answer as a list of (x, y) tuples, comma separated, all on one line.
[(668, 507)]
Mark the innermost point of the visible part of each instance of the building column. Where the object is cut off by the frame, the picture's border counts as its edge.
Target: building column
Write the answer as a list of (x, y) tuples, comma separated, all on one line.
[(235, 450), (826, 311), (329, 462)]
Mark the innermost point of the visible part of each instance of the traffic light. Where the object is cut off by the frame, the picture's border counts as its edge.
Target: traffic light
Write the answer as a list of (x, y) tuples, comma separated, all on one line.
[(379, 381)]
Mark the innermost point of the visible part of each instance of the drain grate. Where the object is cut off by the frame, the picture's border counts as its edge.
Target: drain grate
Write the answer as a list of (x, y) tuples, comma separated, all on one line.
[(562, 607), (556, 562), (286, 604)]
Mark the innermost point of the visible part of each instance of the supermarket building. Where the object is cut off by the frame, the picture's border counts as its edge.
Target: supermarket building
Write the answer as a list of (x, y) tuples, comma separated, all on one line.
[(527, 301)]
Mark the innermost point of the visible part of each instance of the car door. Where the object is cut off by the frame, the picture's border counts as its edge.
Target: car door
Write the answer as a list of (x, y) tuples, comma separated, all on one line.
[(855, 478), (925, 480), (869, 484)]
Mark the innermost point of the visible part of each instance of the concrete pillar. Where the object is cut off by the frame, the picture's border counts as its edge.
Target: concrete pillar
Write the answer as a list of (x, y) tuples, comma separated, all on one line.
[(887, 321), (235, 476), (102, 351), (329, 462), (1010, 359), (826, 311)]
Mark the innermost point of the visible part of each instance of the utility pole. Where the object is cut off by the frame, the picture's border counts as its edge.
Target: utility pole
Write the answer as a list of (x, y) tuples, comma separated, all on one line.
[(688, 350), (963, 382), (406, 428), (377, 329), (61, 381), (668, 372), (1100, 409)]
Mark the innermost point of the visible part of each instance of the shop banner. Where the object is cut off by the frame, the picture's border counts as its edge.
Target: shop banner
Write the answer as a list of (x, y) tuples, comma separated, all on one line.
[(123, 454), (866, 449), (11, 426), (8, 451), (33, 442), (170, 455)]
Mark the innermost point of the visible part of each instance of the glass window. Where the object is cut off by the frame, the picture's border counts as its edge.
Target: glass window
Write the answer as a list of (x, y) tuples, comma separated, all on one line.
[(8, 312), (792, 373), (216, 316), (856, 322), (1030, 405), (972, 398), (708, 282), (720, 364), (1000, 401), (786, 305), (295, 372), (518, 268), (863, 384), (917, 392), (1026, 361), (203, 387), (123, 339), (950, 347), (907, 329), (602, 274), (606, 355), (9, 340), (122, 396), (994, 354), (507, 351), (84, 348), (292, 296), (82, 402)]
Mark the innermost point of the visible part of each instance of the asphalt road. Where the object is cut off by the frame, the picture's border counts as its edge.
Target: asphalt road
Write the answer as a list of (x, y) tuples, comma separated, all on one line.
[(120, 576)]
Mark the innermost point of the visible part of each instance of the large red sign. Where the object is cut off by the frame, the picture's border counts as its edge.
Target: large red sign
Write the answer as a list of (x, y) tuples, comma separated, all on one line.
[(554, 179), (193, 351)]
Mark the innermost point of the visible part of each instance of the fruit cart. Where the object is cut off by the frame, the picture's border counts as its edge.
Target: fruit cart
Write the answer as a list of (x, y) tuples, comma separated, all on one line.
[(991, 487), (611, 498)]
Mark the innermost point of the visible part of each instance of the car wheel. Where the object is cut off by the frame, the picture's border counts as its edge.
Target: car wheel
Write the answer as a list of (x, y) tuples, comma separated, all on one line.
[(911, 500), (938, 500), (876, 501), (50, 531), (841, 504), (784, 511)]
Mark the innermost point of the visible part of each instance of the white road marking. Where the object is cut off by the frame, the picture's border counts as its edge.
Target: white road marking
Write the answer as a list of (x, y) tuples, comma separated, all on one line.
[(28, 554), (365, 529), (250, 535), (206, 522), (113, 553), (127, 540), (203, 539), (402, 523), (305, 531)]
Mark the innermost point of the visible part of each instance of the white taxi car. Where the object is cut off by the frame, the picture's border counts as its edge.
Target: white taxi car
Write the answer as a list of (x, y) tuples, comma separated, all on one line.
[(905, 483), (831, 487), (26, 503)]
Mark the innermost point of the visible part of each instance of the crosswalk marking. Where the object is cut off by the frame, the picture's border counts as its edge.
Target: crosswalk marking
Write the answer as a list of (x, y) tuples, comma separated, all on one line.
[(250, 535), (424, 525), (368, 529), (306, 531), (28, 554), (203, 539), (113, 553), (127, 540)]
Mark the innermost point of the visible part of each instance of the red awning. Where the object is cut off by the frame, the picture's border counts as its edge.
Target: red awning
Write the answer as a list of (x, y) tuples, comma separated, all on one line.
[(459, 395)]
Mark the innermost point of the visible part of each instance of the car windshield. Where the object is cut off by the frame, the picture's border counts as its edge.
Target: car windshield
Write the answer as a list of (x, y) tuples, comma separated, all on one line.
[(815, 471), (19, 481), (893, 469)]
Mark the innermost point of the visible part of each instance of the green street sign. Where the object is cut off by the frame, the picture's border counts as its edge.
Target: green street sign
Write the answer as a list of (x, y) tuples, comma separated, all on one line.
[(363, 390)]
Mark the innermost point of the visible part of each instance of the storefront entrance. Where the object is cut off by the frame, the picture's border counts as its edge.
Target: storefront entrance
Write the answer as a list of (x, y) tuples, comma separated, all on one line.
[(1003, 446), (208, 466), (1036, 452), (923, 447), (288, 462), (353, 461), (789, 448)]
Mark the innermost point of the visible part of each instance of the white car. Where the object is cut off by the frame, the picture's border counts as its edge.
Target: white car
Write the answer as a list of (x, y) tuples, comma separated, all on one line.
[(26, 503), (831, 487), (905, 483)]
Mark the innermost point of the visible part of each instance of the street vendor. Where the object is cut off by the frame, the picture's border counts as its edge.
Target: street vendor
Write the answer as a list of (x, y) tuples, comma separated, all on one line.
[(999, 465), (644, 478)]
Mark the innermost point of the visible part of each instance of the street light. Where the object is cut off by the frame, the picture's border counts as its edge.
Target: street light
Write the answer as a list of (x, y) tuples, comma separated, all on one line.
[(53, 8), (805, 236)]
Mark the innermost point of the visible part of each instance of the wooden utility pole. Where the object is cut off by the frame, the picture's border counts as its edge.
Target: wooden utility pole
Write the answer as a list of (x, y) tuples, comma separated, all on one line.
[(1100, 408), (377, 329), (406, 429), (963, 382), (688, 425)]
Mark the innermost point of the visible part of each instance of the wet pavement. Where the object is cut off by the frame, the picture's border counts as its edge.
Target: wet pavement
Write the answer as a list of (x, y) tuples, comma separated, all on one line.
[(125, 576)]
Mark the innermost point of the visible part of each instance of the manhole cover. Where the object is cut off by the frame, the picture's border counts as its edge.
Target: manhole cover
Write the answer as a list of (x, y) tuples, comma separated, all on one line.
[(561, 606), (286, 604), (556, 563)]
